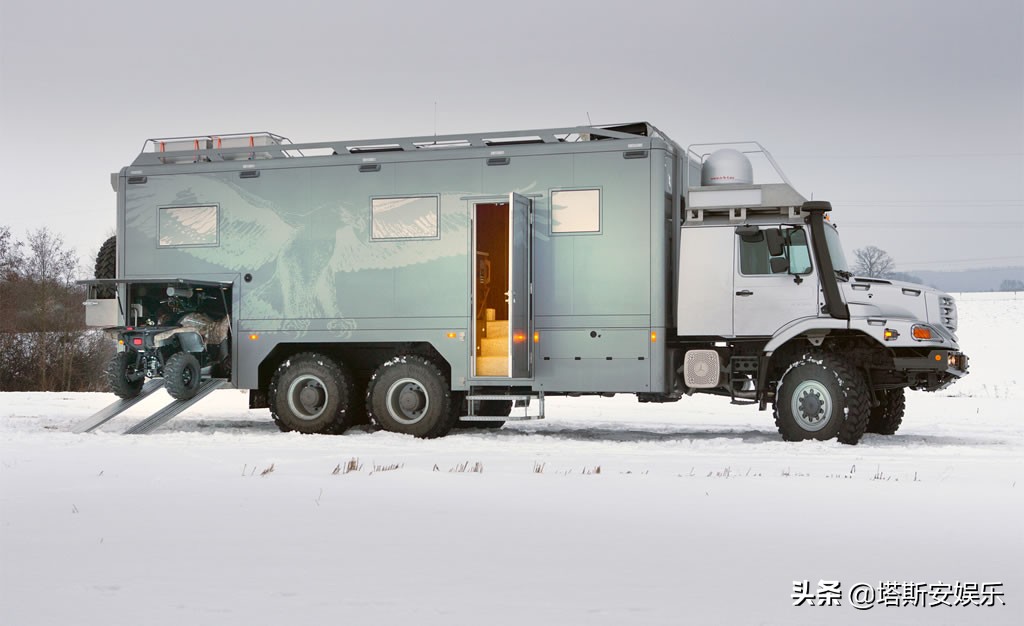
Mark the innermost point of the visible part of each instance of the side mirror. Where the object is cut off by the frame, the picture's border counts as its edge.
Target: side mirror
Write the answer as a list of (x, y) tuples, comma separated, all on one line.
[(776, 242), (749, 233), (779, 264)]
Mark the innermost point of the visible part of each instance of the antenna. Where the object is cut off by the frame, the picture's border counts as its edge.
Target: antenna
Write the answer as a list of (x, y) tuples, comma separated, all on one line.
[(589, 123), (435, 121)]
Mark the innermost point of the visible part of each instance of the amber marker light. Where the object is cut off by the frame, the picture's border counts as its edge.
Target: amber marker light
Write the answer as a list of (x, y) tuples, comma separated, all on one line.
[(536, 336), (938, 357), (890, 334), (654, 336), (452, 335), (518, 337), (922, 332), (253, 337)]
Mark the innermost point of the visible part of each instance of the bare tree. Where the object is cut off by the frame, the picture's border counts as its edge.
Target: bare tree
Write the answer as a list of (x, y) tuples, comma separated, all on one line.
[(872, 261)]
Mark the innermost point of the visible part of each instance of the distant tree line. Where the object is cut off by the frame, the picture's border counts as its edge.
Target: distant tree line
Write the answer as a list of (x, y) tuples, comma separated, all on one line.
[(44, 343)]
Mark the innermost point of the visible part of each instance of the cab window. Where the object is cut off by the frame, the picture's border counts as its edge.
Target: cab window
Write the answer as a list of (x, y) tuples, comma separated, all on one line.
[(775, 251)]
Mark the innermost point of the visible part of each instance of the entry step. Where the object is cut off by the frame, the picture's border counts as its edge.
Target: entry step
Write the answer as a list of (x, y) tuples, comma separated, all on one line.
[(518, 414)]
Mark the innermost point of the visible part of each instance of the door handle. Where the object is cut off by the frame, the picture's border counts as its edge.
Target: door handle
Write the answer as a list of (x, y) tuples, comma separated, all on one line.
[(745, 292)]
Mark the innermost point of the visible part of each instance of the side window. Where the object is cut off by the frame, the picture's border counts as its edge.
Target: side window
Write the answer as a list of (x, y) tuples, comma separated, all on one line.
[(576, 211), (404, 218), (775, 251), (187, 226)]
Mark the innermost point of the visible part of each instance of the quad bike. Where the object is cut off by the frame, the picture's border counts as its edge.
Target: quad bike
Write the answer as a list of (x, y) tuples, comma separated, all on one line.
[(183, 340)]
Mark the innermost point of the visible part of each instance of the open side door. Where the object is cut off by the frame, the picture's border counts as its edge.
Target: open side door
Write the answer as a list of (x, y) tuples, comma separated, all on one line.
[(520, 281)]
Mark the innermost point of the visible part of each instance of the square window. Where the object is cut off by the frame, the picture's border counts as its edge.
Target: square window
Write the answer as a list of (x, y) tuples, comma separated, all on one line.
[(188, 226), (576, 211), (405, 218)]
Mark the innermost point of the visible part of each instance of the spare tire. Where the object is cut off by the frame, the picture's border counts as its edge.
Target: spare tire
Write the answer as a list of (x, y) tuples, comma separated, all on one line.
[(106, 265)]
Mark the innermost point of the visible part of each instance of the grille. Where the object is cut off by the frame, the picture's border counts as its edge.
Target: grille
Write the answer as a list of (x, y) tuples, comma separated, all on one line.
[(947, 313)]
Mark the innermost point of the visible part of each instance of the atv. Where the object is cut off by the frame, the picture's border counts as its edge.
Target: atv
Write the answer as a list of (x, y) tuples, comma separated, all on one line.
[(178, 331)]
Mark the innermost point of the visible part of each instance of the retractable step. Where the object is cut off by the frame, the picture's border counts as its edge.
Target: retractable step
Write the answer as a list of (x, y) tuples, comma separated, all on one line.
[(167, 413), (515, 416), (113, 410)]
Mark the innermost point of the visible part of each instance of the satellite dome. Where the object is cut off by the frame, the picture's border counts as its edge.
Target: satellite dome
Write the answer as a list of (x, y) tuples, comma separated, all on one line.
[(727, 167)]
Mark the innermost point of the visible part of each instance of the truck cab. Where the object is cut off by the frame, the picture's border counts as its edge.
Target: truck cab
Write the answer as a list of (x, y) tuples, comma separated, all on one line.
[(768, 310)]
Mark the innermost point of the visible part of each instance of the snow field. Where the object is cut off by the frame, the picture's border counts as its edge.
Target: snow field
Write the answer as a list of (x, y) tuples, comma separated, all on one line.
[(699, 513)]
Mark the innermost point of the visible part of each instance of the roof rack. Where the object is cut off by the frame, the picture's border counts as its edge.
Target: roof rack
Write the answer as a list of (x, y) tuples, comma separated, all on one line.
[(265, 145)]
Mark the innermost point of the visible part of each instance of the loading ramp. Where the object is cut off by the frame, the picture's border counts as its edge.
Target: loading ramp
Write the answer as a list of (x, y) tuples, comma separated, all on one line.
[(154, 421)]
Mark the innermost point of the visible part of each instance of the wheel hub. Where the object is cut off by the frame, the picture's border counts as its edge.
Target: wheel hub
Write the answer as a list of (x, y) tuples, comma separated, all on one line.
[(812, 405), (407, 401), (307, 397)]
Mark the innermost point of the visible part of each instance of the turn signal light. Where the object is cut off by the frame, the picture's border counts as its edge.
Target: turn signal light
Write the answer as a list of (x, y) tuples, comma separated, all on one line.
[(891, 335), (654, 336), (518, 337), (253, 337), (922, 332), (536, 336), (452, 335)]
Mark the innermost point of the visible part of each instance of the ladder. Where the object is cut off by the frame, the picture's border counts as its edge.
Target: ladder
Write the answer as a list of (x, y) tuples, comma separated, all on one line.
[(523, 398), (154, 421)]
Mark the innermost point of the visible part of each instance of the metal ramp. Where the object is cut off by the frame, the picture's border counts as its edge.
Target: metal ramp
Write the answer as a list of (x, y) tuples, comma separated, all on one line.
[(167, 413), (113, 410), (515, 416)]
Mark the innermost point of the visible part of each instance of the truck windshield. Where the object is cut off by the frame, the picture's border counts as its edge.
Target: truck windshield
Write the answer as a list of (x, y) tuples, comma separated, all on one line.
[(835, 249)]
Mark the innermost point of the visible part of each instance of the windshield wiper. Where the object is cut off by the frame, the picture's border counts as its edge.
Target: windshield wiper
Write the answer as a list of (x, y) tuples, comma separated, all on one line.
[(844, 274)]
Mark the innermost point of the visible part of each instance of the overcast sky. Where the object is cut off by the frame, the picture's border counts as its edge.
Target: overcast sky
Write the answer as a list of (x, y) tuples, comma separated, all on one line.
[(908, 115)]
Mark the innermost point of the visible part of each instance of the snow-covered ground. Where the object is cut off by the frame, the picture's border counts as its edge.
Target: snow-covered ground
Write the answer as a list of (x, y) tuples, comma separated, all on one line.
[(608, 512)]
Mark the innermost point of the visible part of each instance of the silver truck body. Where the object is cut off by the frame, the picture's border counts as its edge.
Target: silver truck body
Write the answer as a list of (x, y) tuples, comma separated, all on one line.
[(559, 261)]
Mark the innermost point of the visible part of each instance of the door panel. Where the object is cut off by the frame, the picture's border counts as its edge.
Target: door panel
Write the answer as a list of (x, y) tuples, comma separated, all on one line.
[(520, 284), (764, 302)]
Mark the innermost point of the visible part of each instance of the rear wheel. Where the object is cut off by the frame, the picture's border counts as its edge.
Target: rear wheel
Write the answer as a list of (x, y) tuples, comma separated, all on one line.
[(182, 375), (886, 418), (122, 378), (410, 395), (821, 396), (310, 393)]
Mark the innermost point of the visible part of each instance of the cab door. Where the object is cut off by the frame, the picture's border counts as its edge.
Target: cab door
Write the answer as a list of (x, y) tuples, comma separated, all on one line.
[(774, 283)]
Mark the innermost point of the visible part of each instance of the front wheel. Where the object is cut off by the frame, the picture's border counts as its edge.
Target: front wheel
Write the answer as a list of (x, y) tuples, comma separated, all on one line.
[(182, 375), (821, 396), (888, 415), (410, 395)]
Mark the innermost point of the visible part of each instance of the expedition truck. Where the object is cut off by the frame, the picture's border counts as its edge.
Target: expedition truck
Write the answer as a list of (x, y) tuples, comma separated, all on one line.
[(426, 283)]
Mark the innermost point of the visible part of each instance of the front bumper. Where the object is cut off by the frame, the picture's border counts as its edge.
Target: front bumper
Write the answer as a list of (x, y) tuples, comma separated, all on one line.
[(937, 370)]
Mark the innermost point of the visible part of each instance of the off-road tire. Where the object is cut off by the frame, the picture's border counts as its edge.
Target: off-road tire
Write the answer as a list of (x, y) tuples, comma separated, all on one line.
[(182, 375), (106, 266), (885, 419), (311, 393), (117, 376), (410, 394), (488, 408), (822, 396)]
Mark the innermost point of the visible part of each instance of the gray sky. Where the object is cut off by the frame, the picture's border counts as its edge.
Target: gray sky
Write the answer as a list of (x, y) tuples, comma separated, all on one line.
[(908, 115)]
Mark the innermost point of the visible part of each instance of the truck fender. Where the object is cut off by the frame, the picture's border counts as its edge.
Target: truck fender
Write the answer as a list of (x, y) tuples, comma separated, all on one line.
[(818, 325)]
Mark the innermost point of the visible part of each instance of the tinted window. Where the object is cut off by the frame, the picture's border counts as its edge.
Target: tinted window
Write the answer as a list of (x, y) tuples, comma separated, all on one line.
[(188, 226), (405, 218), (755, 257), (576, 211)]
